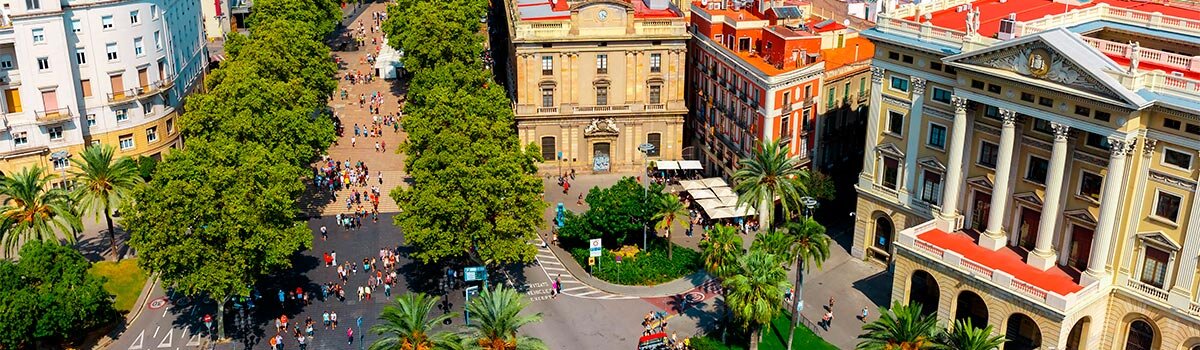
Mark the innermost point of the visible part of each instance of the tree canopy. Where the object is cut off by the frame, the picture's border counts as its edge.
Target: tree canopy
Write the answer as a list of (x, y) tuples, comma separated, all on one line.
[(319, 16), (433, 33), (49, 296), (615, 213)]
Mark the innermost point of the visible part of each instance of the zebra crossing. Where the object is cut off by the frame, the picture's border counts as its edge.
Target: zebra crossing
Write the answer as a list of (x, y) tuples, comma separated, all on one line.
[(571, 286)]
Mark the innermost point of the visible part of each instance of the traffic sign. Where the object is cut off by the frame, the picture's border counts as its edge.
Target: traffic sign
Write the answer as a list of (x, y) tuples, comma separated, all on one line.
[(474, 273), (618, 259), (594, 247), (591, 260)]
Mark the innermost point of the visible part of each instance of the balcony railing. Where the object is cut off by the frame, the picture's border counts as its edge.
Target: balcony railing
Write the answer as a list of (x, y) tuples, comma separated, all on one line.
[(547, 110), (1147, 289), (606, 108), (1194, 308), (53, 115), (124, 95), (787, 108), (656, 106), (142, 91)]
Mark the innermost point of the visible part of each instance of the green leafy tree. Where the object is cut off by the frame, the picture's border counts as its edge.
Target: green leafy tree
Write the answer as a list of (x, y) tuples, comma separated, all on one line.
[(721, 251), (407, 324), (807, 245), (435, 33), (33, 211), (769, 173), (217, 217), (282, 51), (755, 293), (146, 166), (103, 183), (901, 327), (319, 16), (615, 214), (965, 336), (669, 210), (496, 316), (49, 297)]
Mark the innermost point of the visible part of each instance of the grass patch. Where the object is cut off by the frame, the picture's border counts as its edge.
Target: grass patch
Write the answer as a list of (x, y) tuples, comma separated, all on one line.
[(774, 338), (124, 280), (646, 268)]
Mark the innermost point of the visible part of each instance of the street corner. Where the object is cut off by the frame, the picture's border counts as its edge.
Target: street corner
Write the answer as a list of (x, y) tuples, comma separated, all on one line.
[(694, 298)]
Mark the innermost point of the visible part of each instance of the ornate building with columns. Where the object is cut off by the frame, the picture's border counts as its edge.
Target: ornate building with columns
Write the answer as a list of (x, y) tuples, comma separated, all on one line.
[(1033, 165), (592, 80)]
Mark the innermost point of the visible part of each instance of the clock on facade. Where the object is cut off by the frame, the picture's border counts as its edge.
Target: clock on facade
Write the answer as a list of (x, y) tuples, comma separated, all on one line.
[(602, 15)]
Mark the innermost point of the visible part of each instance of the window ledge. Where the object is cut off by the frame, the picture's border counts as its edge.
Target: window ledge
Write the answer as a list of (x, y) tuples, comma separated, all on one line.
[(1087, 199), (935, 148), (1163, 221)]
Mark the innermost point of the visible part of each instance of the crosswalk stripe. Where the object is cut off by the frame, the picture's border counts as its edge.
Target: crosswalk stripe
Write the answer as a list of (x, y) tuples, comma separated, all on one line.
[(551, 262), (575, 288), (588, 293), (554, 268)]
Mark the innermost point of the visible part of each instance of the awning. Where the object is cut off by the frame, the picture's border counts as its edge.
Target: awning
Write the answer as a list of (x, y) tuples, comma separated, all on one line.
[(702, 193), (709, 204), (714, 182), (728, 201), (667, 165), (745, 210), (721, 213), (689, 185), (723, 191), (690, 165)]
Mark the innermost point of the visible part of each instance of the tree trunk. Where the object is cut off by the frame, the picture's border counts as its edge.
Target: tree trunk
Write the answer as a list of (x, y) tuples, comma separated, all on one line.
[(796, 300), (112, 233), (755, 338), (764, 213), (221, 319), (669, 245)]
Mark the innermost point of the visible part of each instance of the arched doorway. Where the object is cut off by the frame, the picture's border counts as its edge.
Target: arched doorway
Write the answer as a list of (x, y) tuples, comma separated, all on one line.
[(1022, 333), (924, 290), (1140, 337), (971, 307), (1077, 339), (883, 237)]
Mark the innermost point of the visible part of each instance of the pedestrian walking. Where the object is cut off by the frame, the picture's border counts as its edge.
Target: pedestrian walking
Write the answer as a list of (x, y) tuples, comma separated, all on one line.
[(300, 339), (558, 284), (333, 319), (325, 319), (324, 233), (863, 317), (349, 335)]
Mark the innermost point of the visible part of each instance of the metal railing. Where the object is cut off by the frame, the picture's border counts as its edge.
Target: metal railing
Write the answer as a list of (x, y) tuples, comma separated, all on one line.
[(53, 115)]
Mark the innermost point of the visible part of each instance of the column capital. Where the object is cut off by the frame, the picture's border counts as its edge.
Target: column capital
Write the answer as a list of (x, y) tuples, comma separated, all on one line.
[(1008, 117), (960, 104), (918, 85), (1148, 146), (1120, 147), (1061, 131), (877, 74)]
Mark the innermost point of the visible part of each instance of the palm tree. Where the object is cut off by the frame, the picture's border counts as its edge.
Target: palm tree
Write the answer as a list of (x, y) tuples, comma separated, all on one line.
[(902, 327), (669, 210), (103, 184), (807, 245), (721, 251), (769, 173), (407, 324), (964, 336), (756, 292), (34, 211), (497, 317)]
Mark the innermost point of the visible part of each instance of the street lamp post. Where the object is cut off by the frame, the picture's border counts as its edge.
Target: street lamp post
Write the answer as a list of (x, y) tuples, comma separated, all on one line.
[(809, 204), (645, 148)]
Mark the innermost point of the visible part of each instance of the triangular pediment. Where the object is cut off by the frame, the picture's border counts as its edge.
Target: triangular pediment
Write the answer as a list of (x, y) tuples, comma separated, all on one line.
[(1056, 59), (1159, 239)]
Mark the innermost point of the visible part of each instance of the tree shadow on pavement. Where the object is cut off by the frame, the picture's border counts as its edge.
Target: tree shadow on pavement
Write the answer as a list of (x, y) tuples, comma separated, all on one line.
[(876, 287)]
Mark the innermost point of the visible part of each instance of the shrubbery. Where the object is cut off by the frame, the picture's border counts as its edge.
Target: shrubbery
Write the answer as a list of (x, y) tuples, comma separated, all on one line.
[(646, 268), (615, 215)]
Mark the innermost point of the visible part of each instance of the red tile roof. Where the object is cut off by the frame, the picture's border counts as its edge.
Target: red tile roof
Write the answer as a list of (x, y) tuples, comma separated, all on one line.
[(1052, 280), (844, 55), (992, 11)]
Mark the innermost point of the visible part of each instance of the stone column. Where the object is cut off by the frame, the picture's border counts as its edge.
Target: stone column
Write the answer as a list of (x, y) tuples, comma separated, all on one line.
[(913, 136), (1110, 203), (994, 237), (954, 170), (866, 179), (1043, 255), (1191, 249)]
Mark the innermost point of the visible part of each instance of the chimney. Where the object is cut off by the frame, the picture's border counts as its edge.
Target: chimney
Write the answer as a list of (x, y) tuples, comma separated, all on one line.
[(855, 52)]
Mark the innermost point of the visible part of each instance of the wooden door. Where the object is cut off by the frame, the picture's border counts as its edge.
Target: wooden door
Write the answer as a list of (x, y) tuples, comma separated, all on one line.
[(1081, 247), (1028, 229), (12, 100), (50, 100), (980, 210), (143, 78), (118, 85)]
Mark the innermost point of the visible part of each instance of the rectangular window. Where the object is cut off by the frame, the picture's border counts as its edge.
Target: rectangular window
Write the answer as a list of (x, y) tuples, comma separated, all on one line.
[(899, 84), (157, 40), (6, 62), (906, 59), (86, 86), (1083, 111), (1172, 124), (988, 154), (76, 26), (931, 188), (891, 172), (39, 35), (1103, 116), (1178, 159), (656, 140), (122, 115), (43, 63), (941, 95), (655, 63), (1192, 129), (33, 4), (1089, 185), (895, 122), (134, 18), (138, 47), (832, 94), (147, 108), (91, 120), (154, 11), (1042, 125), (601, 64), (106, 22), (992, 112), (55, 132), (548, 151), (1098, 141), (993, 88), (601, 95), (81, 55), (170, 126), (547, 65), (547, 97), (1037, 169), (126, 142), (1154, 267), (151, 134), (892, 55), (1045, 101), (1166, 206), (61, 163), (1027, 97), (937, 136), (935, 65), (975, 84), (111, 49), (655, 94), (20, 138)]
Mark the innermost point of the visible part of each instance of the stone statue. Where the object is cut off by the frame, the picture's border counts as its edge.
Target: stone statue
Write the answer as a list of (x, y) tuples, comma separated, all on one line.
[(970, 22), (975, 22), (1135, 49)]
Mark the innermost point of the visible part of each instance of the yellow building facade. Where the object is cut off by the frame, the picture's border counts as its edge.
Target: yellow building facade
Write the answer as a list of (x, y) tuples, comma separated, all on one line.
[(593, 80), (1038, 174)]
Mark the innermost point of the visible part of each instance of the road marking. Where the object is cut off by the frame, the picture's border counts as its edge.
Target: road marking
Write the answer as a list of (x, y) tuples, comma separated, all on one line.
[(553, 268), (565, 281), (137, 342), (166, 342), (588, 293), (195, 341), (575, 288), (552, 262), (156, 328)]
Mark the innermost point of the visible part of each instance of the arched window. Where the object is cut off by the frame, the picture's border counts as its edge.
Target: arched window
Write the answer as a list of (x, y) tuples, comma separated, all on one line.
[(549, 152), (924, 290), (1141, 336)]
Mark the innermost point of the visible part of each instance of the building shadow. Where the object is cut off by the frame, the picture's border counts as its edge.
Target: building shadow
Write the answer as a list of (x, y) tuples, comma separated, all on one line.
[(877, 287)]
